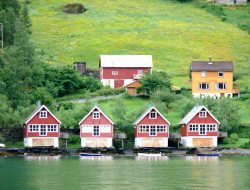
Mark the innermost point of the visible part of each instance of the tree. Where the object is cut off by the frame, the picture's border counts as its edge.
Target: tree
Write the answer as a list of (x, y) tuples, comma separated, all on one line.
[(227, 113), (153, 81)]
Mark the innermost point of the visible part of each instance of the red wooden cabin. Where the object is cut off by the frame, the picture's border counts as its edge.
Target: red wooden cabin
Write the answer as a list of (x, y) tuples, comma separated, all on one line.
[(151, 129), (119, 70), (96, 129), (199, 128), (41, 128)]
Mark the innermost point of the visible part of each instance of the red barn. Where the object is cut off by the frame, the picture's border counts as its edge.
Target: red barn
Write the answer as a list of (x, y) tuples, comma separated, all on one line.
[(151, 129), (119, 70), (96, 129), (199, 128), (41, 128)]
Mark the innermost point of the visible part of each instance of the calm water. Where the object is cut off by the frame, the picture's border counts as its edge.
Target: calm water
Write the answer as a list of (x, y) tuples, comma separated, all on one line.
[(125, 173)]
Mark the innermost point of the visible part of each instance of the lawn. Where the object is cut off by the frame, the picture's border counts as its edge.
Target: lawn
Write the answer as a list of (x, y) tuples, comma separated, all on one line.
[(174, 33)]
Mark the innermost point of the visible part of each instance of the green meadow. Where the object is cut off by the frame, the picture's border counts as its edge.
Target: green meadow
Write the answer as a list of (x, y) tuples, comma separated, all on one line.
[(174, 33)]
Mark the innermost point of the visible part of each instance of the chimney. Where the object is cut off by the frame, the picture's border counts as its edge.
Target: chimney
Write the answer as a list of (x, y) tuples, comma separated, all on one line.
[(197, 105), (210, 61), (39, 103)]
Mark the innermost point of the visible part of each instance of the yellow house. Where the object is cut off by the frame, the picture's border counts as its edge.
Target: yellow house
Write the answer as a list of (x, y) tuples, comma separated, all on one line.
[(212, 78)]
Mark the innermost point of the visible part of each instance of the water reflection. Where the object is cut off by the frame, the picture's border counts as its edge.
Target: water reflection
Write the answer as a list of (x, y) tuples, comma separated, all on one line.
[(151, 158), (202, 158), (41, 158), (104, 158)]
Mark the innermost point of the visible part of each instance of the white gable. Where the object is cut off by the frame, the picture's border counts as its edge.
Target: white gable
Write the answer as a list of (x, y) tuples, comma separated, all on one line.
[(147, 111), (193, 112), (96, 107), (126, 61)]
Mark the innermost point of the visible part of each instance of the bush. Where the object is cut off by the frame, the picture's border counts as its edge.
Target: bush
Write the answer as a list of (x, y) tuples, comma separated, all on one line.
[(74, 8), (232, 140), (74, 139), (246, 145)]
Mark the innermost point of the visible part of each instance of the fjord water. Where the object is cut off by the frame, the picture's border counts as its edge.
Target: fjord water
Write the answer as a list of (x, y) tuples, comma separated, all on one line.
[(125, 173)]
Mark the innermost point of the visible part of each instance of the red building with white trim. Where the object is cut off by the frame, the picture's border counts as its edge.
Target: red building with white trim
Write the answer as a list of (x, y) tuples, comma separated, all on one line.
[(41, 128), (151, 129), (96, 129), (199, 128), (119, 70)]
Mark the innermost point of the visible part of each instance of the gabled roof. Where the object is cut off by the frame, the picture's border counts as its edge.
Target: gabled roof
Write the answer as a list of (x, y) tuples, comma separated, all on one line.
[(196, 109), (38, 109), (96, 107), (126, 61), (133, 84), (212, 66), (147, 111)]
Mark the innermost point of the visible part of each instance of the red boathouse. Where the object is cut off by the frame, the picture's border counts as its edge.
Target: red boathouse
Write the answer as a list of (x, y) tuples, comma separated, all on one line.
[(151, 129), (41, 128), (96, 129), (199, 128)]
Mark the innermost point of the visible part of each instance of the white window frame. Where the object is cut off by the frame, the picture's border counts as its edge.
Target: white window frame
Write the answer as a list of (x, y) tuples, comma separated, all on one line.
[(33, 128), (224, 86), (221, 72), (203, 114), (96, 115), (205, 129), (207, 86), (153, 112), (46, 131), (193, 128), (52, 128), (203, 74), (43, 114), (114, 72), (94, 130), (140, 72), (155, 127)]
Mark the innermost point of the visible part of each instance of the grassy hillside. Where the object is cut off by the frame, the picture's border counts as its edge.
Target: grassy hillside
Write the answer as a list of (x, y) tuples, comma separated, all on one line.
[(174, 33)]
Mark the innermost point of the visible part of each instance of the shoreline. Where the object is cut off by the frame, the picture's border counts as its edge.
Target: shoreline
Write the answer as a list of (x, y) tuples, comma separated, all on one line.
[(48, 151)]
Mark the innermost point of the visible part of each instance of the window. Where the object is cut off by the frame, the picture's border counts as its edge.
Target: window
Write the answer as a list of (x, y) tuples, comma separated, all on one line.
[(202, 130), (52, 128), (43, 131), (203, 74), (140, 72), (153, 115), (193, 127), (204, 86), (211, 128), (33, 128), (43, 114), (96, 115), (202, 114), (114, 72), (152, 131), (144, 128), (220, 74), (96, 131), (221, 86), (161, 128)]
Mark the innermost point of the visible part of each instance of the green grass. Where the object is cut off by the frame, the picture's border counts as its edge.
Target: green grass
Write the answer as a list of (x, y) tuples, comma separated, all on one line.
[(174, 33), (18, 144), (238, 144)]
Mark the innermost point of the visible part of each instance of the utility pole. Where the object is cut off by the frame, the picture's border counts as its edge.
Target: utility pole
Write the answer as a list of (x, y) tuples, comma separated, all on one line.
[(1, 35)]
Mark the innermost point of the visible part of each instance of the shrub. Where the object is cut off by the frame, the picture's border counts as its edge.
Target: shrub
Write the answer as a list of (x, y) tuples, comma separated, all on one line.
[(232, 140), (74, 139), (246, 145)]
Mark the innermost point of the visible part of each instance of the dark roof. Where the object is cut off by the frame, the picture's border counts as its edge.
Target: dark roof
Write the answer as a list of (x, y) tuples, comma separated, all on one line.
[(212, 66)]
